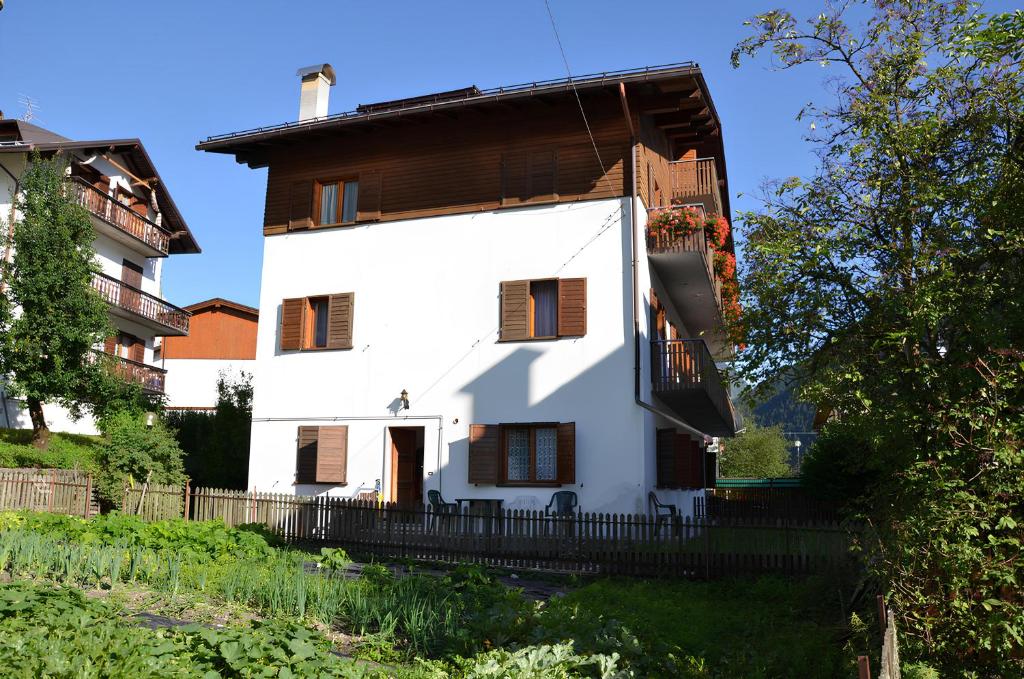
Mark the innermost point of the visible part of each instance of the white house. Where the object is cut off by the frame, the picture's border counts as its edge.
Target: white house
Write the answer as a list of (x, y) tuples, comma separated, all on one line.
[(137, 225), (459, 294), (221, 343)]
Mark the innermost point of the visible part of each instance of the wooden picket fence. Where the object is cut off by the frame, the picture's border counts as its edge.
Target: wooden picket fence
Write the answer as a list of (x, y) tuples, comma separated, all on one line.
[(61, 491), (625, 544), (767, 502), (890, 665)]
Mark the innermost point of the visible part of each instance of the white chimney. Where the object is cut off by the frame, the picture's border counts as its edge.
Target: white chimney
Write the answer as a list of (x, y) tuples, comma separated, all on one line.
[(316, 81)]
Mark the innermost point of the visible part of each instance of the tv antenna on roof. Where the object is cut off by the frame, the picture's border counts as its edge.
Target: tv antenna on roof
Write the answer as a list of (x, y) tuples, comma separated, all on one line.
[(30, 105)]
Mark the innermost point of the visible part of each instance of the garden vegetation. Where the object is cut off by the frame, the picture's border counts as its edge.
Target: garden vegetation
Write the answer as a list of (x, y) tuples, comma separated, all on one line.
[(890, 285)]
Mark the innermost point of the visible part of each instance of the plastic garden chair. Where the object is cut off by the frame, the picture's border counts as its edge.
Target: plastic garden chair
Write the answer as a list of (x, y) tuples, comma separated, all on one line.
[(564, 502), (663, 513), (440, 507)]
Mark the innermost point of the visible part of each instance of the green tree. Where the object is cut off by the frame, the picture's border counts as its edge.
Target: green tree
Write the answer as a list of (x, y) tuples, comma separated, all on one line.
[(50, 316), (216, 444), (759, 452), (893, 282)]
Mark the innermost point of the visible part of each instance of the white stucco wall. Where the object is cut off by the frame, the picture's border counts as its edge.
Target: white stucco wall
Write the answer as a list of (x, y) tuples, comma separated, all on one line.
[(426, 320), (192, 382)]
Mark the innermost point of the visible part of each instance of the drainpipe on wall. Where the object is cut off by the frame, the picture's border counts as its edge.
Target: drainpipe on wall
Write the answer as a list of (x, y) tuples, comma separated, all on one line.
[(634, 247)]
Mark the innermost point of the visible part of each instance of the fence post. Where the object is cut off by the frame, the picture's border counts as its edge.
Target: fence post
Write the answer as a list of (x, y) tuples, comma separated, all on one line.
[(863, 667), (88, 495), (188, 498), (707, 548), (49, 500)]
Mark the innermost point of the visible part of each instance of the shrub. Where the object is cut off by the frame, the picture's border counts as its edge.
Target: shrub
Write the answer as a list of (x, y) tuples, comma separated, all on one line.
[(759, 452), (843, 463), (134, 451)]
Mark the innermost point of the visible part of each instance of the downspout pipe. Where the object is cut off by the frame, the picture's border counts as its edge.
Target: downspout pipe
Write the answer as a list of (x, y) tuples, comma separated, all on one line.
[(634, 250)]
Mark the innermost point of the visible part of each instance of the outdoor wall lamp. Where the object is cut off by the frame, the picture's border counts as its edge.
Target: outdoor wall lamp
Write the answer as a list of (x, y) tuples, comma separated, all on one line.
[(150, 419), (405, 399)]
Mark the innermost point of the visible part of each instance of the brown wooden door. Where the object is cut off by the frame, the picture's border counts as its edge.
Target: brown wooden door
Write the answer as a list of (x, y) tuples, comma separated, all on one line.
[(406, 467), (131, 276)]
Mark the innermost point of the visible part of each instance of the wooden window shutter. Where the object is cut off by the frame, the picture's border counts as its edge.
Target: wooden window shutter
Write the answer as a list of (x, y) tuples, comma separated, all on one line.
[(292, 312), (131, 274), (693, 455), (665, 450), (484, 453), (368, 202), (339, 320), (514, 189), (572, 307), (515, 310), (305, 458), (110, 345), (300, 206), (567, 452), (332, 455), (542, 172), (137, 352)]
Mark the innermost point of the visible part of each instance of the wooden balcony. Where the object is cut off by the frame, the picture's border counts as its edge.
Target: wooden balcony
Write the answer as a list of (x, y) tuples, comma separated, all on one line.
[(163, 318), (149, 377), (685, 265), (695, 182), (684, 376), (120, 222)]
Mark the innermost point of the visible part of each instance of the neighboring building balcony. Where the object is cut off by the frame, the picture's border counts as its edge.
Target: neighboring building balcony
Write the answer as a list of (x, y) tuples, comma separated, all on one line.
[(684, 376), (149, 377), (120, 222), (162, 318), (695, 182), (685, 265)]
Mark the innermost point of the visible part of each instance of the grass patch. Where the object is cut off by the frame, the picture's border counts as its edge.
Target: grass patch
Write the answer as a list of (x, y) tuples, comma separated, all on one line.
[(66, 451), (739, 628)]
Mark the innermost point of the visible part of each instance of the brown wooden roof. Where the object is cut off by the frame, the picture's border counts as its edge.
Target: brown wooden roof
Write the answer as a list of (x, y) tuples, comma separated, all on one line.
[(215, 302)]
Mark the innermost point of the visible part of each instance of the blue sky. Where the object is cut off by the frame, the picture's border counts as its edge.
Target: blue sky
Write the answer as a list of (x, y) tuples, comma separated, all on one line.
[(172, 73)]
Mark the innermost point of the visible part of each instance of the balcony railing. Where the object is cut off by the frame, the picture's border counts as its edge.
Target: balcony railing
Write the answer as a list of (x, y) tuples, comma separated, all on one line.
[(696, 181), (143, 304), (120, 216), (696, 242), (685, 366), (149, 377)]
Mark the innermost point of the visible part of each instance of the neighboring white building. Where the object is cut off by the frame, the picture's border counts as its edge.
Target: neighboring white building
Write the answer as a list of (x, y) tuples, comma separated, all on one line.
[(221, 342), (137, 225), (451, 302)]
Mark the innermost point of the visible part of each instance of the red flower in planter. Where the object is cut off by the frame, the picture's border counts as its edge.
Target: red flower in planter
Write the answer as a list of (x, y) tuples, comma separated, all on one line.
[(725, 265), (717, 230), (674, 221)]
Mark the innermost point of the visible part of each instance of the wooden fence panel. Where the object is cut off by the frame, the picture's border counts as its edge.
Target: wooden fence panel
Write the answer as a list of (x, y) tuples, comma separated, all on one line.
[(614, 544), (61, 491)]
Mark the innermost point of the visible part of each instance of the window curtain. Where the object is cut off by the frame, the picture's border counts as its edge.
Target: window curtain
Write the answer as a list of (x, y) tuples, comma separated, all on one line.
[(328, 203), (351, 202), (518, 454), (545, 308)]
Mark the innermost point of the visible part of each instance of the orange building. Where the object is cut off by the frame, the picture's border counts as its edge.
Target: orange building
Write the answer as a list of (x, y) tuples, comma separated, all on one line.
[(221, 339)]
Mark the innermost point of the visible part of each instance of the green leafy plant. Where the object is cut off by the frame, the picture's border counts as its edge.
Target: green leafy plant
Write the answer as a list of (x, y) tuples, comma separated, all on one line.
[(133, 450), (890, 284)]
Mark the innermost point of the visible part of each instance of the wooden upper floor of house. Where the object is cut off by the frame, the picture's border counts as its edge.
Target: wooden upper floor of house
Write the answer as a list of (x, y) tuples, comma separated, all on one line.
[(219, 329), (473, 150)]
